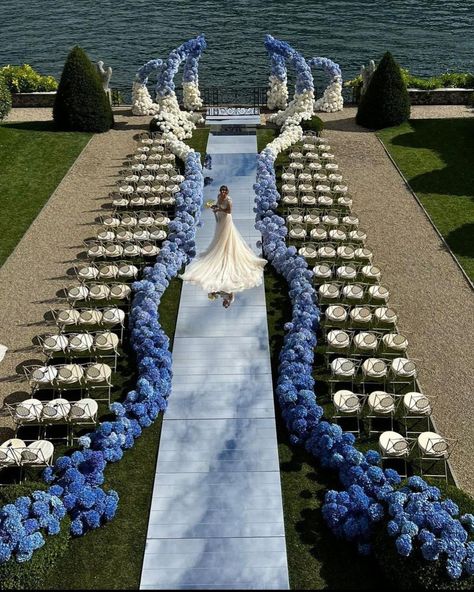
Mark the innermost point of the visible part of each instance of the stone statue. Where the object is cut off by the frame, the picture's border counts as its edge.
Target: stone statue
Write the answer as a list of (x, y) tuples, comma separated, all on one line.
[(105, 75), (367, 72)]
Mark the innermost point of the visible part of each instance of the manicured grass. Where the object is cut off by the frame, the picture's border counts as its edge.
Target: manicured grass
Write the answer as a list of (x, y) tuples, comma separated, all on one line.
[(316, 559), (33, 160), (111, 556), (436, 157), (199, 140)]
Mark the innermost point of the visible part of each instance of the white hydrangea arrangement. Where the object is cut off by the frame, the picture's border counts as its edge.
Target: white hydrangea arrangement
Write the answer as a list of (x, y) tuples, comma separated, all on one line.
[(191, 96), (277, 94), (332, 100)]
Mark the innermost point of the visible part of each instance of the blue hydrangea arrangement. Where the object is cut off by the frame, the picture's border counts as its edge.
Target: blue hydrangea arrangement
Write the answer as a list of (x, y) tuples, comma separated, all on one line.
[(276, 47), (144, 72), (75, 481), (327, 65), (189, 52), (417, 517), (24, 524)]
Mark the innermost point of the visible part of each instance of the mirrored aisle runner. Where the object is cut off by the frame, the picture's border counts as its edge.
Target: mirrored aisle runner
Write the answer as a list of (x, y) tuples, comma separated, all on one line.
[(216, 518)]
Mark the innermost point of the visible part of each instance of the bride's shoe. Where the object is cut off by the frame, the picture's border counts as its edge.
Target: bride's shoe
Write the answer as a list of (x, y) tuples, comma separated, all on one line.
[(228, 301)]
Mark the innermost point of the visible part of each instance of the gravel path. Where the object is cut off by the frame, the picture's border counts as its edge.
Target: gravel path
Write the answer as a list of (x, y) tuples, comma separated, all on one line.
[(434, 300), (36, 270)]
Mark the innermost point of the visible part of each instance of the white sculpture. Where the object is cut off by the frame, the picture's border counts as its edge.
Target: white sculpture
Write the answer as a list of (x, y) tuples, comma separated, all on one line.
[(367, 72), (105, 75)]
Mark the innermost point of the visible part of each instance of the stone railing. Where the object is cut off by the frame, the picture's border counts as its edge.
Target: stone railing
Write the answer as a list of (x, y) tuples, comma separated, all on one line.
[(441, 96), (34, 99)]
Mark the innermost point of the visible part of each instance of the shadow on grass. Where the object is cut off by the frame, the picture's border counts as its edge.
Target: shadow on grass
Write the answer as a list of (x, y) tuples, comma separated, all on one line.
[(33, 126), (461, 240), (453, 142)]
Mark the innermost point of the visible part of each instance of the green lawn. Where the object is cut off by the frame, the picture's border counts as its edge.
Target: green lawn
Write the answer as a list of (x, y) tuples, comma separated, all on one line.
[(33, 160), (437, 158), (199, 140)]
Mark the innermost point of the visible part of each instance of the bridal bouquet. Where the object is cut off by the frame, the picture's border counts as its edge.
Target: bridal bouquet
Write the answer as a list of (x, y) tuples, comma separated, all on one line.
[(210, 203)]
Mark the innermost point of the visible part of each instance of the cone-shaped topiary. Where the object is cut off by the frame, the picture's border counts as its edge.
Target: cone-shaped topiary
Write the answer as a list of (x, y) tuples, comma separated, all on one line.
[(385, 102), (81, 103)]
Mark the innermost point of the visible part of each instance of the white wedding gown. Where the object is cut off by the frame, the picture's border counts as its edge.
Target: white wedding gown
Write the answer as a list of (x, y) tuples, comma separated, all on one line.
[(228, 264)]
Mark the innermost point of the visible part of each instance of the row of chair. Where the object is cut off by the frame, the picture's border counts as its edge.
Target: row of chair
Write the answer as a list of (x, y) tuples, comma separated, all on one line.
[(16, 453), (33, 412), (159, 197), (131, 220), (365, 342)]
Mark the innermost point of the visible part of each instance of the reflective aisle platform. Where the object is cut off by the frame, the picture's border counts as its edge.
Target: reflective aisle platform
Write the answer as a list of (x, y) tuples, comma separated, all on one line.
[(216, 519)]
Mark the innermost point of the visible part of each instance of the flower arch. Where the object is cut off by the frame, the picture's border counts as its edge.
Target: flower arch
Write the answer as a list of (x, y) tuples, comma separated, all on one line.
[(142, 103), (301, 107), (189, 53), (278, 83), (331, 99)]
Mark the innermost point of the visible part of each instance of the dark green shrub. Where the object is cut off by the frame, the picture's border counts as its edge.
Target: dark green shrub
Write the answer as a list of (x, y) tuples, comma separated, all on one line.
[(32, 574), (81, 103), (414, 572), (385, 102), (5, 99), (315, 124), (23, 79)]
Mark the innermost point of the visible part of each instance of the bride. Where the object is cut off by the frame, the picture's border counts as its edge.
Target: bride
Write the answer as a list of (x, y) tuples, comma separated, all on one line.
[(228, 265)]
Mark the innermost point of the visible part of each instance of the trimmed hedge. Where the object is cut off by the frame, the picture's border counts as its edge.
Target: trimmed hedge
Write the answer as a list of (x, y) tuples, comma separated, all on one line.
[(5, 99), (415, 572), (31, 575), (81, 103), (385, 102), (315, 124)]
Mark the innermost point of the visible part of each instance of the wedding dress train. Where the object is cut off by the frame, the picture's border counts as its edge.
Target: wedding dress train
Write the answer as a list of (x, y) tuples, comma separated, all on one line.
[(228, 264)]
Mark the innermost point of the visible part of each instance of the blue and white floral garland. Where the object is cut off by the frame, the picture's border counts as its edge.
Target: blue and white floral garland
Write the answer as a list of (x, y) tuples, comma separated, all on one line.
[(277, 94), (189, 53), (75, 481), (417, 514)]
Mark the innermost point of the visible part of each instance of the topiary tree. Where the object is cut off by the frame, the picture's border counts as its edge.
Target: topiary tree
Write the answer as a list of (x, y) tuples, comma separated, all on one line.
[(81, 103), (5, 99), (385, 102), (315, 124)]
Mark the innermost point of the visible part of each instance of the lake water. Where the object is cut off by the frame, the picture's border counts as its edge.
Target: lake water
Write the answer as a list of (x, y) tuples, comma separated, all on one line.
[(427, 36)]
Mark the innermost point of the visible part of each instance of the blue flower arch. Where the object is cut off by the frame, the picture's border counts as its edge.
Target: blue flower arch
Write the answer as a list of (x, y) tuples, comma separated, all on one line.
[(188, 52), (280, 51), (327, 65), (147, 69)]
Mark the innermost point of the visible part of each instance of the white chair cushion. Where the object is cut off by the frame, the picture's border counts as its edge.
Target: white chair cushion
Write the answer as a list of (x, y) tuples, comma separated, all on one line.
[(393, 444), (338, 339), (381, 402), (432, 444), (343, 367), (418, 403)]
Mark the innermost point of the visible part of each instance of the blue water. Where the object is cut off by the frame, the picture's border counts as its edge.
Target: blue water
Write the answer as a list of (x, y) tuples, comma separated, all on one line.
[(427, 36)]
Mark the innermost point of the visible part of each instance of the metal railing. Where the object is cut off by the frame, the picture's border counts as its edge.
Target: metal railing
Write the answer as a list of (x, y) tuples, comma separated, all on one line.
[(218, 96)]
